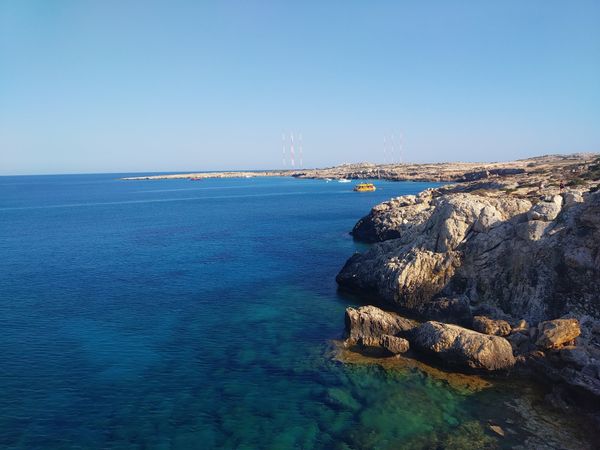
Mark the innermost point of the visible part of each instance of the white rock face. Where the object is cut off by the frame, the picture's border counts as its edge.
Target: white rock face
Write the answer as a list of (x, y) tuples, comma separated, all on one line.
[(528, 263), (419, 264), (546, 210)]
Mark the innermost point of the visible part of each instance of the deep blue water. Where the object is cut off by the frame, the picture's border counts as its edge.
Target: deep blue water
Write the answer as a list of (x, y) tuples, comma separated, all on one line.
[(180, 315)]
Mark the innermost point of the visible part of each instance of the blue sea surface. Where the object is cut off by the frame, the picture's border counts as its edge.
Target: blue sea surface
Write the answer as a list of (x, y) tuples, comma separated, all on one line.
[(197, 315)]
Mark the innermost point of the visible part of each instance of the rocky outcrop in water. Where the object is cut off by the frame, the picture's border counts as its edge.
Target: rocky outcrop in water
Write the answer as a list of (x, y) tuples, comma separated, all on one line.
[(367, 324), (524, 264), (463, 347)]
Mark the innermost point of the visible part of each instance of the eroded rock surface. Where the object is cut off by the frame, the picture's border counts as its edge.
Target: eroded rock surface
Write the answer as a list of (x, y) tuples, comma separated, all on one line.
[(463, 347), (533, 258), (394, 344), (367, 324), (556, 333)]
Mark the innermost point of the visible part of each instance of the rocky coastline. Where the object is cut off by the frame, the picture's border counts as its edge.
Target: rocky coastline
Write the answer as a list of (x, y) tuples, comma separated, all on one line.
[(497, 274), (460, 172)]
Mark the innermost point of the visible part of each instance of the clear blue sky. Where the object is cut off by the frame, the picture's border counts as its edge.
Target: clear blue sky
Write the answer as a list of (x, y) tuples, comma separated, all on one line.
[(107, 86)]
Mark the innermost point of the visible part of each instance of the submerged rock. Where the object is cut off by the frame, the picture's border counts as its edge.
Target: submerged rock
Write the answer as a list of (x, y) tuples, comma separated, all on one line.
[(555, 333), (463, 347)]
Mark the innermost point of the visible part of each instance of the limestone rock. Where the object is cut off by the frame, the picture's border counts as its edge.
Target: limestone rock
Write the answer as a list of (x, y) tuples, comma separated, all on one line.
[(555, 333), (389, 220), (532, 230), (394, 344), (483, 248), (367, 324), (463, 347), (488, 326), (546, 210), (572, 197)]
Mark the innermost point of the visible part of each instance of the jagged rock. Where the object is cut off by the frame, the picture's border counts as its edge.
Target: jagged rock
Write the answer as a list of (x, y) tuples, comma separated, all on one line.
[(535, 270), (553, 270), (389, 220), (546, 210), (394, 344), (555, 333), (367, 324), (413, 269), (488, 326), (463, 347)]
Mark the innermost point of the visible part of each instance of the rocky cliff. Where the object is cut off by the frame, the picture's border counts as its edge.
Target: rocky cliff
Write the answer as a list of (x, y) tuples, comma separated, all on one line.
[(518, 254)]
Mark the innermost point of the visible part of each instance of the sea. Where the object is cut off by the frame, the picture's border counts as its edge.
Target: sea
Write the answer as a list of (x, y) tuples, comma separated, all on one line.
[(178, 314)]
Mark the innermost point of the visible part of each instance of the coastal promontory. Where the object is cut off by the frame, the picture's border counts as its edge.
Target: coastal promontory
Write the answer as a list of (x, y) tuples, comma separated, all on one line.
[(503, 271)]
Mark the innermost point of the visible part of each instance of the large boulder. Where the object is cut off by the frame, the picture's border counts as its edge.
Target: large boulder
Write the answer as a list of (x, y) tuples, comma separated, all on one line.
[(462, 347), (367, 324), (555, 333)]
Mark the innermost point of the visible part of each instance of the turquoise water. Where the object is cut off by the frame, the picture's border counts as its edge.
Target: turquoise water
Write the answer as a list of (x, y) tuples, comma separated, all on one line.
[(181, 315)]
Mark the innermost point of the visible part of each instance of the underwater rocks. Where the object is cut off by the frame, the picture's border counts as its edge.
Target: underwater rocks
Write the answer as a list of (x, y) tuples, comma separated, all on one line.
[(463, 347)]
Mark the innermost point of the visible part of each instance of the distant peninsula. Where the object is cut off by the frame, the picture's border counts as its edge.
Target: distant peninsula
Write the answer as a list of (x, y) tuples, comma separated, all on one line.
[(562, 165)]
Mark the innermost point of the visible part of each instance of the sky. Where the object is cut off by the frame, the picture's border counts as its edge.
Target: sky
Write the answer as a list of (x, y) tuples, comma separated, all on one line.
[(145, 86)]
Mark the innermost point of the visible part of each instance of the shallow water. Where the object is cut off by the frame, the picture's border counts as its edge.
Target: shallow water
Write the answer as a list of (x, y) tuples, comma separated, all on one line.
[(179, 315)]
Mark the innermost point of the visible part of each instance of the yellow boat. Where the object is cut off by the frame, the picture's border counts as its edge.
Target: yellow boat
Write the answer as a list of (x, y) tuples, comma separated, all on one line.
[(364, 187)]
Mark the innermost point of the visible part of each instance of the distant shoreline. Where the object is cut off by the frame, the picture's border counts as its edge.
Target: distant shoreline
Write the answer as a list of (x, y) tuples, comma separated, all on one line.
[(434, 172)]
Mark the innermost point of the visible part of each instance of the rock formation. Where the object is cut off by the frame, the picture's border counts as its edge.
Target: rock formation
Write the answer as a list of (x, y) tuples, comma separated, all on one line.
[(461, 346), (514, 259)]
